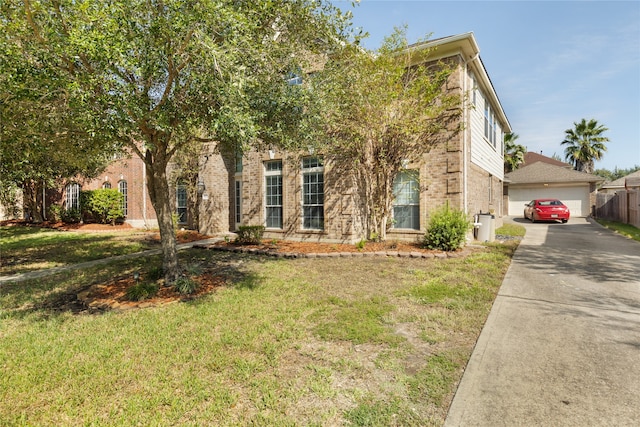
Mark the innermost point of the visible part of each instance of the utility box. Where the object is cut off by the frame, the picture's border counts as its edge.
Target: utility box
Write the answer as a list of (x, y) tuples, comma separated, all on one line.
[(486, 228)]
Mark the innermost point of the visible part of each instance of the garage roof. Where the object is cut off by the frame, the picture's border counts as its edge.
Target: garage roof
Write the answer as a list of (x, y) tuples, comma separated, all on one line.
[(540, 172)]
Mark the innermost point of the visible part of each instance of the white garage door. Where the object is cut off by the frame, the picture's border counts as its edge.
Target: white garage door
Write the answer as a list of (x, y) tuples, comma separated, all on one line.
[(576, 198)]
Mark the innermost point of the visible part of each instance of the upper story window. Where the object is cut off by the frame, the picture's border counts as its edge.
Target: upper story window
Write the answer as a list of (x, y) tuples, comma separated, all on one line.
[(73, 196), (490, 125), (106, 185), (406, 203), (312, 193), (273, 193)]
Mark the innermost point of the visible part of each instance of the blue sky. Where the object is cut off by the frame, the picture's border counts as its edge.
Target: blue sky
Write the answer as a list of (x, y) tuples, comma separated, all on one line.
[(552, 63)]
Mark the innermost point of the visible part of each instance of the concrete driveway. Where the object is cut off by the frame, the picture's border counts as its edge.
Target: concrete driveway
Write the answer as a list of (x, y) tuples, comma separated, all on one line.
[(561, 346)]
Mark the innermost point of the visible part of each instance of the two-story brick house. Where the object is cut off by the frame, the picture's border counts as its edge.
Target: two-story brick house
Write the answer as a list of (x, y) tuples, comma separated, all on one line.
[(304, 197)]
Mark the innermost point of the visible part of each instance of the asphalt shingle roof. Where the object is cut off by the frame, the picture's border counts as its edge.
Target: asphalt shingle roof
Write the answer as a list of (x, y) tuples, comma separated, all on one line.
[(541, 172), (530, 157), (619, 183)]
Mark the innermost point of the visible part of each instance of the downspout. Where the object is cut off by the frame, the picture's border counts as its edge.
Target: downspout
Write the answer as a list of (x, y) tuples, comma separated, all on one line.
[(465, 137), (44, 202)]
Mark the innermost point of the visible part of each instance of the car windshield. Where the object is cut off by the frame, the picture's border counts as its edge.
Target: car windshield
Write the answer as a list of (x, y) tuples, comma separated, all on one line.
[(550, 203)]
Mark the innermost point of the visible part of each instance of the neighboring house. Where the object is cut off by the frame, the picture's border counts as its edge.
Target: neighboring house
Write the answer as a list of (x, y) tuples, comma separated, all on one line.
[(531, 157), (626, 182), (301, 196), (544, 179)]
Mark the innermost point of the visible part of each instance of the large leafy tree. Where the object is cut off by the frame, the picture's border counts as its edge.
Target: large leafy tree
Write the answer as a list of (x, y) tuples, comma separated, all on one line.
[(157, 75), (513, 153), (584, 144), (41, 139), (380, 111)]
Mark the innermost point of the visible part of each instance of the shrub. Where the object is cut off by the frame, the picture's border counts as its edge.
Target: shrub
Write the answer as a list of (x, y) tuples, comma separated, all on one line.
[(54, 213), (447, 229), (71, 216), (155, 273), (186, 285), (103, 205), (141, 291), (250, 234)]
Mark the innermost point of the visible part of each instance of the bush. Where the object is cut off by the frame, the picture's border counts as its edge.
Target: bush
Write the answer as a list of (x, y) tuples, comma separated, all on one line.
[(447, 229), (186, 285), (250, 234), (71, 216), (103, 206), (54, 213), (141, 291)]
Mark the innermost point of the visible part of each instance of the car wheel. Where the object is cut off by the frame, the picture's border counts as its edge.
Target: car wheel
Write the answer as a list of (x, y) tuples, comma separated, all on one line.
[(533, 218), (564, 221)]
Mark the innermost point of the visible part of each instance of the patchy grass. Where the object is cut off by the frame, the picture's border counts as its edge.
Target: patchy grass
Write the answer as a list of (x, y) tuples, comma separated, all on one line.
[(511, 230), (24, 249), (626, 230), (327, 341)]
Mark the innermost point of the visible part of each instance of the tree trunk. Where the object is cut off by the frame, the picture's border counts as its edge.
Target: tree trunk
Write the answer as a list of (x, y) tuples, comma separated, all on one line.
[(158, 187), (30, 202)]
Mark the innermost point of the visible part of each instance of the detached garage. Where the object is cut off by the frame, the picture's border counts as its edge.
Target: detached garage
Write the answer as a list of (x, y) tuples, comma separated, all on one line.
[(540, 180)]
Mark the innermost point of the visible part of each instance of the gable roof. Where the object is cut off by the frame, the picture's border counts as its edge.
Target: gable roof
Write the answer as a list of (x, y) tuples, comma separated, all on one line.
[(531, 157), (620, 182), (543, 173)]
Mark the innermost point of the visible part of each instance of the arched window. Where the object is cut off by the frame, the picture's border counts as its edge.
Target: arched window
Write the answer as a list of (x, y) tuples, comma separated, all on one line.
[(106, 184), (122, 188), (73, 196)]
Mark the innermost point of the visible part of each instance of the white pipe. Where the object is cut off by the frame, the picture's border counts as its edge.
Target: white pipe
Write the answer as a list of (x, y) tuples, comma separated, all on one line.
[(44, 202), (465, 138)]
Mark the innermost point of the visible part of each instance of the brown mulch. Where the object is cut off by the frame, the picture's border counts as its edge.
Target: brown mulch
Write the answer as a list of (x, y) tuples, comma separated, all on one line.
[(292, 247), (113, 295)]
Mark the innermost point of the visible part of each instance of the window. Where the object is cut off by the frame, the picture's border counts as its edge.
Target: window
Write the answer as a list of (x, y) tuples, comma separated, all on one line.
[(181, 203), (312, 193), (73, 196), (406, 203), (238, 203), (490, 124), (273, 193), (106, 185), (122, 188), (238, 161)]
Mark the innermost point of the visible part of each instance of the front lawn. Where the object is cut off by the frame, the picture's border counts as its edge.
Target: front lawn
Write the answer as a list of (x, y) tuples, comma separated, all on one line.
[(24, 249), (328, 341), (626, 230)]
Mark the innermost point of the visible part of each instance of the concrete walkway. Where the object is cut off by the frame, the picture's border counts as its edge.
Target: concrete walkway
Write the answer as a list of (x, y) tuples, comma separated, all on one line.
[(48, 271), (561, 346)]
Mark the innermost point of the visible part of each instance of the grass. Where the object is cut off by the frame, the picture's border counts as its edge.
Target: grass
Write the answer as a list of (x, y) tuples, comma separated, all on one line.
[(626, 230), (24, 249), (360, 341), (511, 230)]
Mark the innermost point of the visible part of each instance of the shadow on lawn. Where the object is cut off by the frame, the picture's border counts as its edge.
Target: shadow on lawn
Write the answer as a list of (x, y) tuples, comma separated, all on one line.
[(103, 289)]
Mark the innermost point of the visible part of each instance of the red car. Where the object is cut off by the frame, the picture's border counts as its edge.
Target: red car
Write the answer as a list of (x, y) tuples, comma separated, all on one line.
[(546, 210)]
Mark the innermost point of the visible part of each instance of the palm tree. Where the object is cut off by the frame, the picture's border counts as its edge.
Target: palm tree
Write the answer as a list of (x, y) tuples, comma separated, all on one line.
[(585, 144), (513, 153)]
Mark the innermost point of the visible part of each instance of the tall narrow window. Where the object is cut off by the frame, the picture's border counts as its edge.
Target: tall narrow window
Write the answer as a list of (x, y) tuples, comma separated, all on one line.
[(106, 185), (406, 203), (273, 193), (181, 203), (312, 193), (73, 196), (122, 188), (238, 202)]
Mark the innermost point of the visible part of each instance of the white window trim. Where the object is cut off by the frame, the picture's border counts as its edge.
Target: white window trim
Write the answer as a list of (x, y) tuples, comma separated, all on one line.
[(279, 173)]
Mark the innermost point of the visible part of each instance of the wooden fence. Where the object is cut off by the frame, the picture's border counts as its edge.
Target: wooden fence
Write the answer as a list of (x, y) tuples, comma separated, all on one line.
[(623, 206)]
